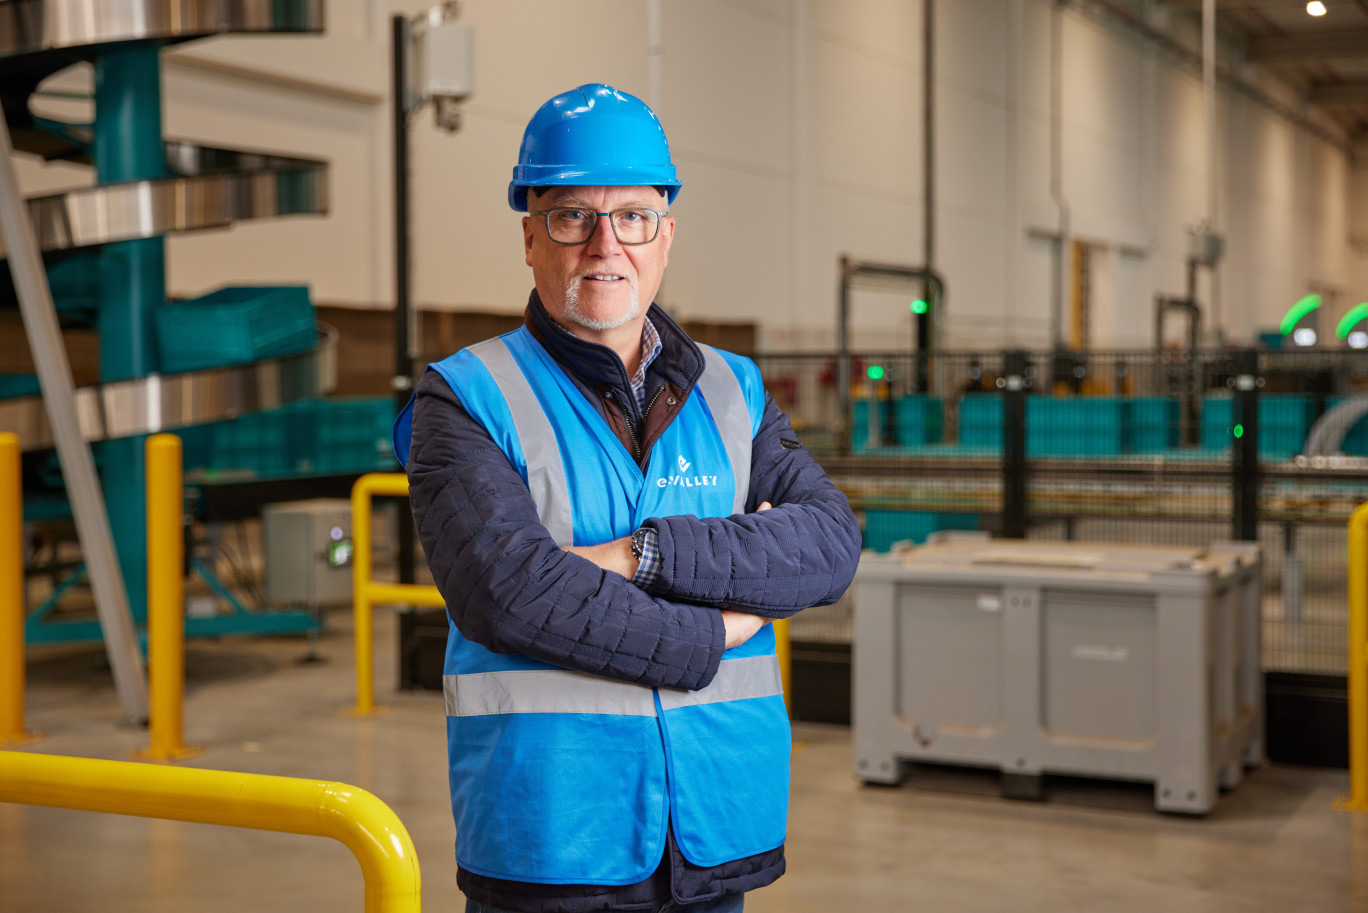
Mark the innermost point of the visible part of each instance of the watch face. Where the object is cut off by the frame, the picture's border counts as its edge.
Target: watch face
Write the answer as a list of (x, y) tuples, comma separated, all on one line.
[(638, 543)]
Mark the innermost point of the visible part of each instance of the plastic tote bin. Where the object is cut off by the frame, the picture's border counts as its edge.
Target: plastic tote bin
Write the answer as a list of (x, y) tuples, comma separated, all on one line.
[(884, 527), (1075, 658), (235, 325)]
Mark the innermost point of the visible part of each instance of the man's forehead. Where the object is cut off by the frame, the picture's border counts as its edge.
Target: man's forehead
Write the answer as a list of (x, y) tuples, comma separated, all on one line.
[(646, 195)]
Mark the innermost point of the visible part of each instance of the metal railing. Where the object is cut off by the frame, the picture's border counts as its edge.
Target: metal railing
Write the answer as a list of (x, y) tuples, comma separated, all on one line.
[(367, 592), (319, 808)]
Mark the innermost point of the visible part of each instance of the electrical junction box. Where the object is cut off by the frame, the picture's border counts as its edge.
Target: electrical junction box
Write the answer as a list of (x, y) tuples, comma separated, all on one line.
[(448, 61), (308, 552)]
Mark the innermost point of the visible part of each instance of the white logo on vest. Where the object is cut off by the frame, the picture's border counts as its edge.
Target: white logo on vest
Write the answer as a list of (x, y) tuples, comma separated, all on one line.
[(684, 481)]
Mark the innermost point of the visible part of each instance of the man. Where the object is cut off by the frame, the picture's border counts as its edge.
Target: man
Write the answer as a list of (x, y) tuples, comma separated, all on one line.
[(593, 492)]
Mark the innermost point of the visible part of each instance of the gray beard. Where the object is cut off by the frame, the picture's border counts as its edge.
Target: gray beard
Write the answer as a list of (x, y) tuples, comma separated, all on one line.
[(578, 317)]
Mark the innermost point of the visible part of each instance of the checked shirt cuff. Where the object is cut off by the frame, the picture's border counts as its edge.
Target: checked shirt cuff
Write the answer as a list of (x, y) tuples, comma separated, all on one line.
[(648, 571)]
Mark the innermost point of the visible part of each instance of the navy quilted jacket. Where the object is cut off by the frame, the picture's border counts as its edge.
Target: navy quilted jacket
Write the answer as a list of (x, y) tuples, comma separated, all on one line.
[(509, 587)]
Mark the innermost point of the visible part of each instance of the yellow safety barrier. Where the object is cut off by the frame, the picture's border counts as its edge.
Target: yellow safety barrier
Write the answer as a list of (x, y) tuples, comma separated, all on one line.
[(366, 592), (1357, 800), (166, 601), (367, 826), (12, 731)]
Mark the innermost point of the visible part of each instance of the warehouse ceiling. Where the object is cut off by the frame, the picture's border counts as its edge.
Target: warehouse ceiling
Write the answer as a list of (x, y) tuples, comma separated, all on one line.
[(1325, 57)]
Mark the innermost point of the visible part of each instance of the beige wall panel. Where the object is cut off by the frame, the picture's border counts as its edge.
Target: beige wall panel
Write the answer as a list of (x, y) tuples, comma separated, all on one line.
[(866, 131), (971, 49), (728, 97), (972, 156), (337, 255), (731, 256), (528, 51), (888, 30), (467, 242), (975, 296)]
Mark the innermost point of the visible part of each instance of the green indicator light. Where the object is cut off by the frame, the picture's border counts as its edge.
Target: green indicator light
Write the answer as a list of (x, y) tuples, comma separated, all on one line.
[(875, 372), (1351, 319), (1297, 312), (919, 306), (1238, 431)]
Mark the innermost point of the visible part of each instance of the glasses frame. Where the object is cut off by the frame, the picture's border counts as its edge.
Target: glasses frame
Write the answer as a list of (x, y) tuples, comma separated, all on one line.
[(546, 217)]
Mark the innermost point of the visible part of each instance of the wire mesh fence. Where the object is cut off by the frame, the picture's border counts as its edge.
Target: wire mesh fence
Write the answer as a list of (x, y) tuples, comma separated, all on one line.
[(1139, 447)]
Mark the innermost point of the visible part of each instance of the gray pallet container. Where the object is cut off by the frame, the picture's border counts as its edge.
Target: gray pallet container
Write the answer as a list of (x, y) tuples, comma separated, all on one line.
[(1067, 658)]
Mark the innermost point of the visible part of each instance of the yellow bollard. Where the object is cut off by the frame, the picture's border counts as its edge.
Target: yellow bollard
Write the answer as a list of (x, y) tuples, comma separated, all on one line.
[(1357, 800), (12, 730), (166, 600), (352, 816)]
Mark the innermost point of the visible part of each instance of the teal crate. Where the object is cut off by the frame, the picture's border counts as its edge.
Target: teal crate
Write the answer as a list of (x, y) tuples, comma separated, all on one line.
[(1152, 424), (884, 527), (981, 409), (859, 432), (918, 419), (1284, 421), (15, 386), (350, 434), (258, 442), (235, 325), (1075, 425)]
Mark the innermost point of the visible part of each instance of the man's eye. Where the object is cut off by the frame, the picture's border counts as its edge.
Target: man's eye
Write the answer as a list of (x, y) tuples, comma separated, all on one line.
[(631, 216), (570, 216)]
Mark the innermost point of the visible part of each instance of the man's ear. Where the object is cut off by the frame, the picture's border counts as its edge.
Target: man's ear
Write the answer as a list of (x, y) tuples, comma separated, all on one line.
[(527, 239)]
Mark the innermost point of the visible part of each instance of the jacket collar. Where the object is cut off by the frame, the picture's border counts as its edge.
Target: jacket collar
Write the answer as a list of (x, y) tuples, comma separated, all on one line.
[(680, 362)]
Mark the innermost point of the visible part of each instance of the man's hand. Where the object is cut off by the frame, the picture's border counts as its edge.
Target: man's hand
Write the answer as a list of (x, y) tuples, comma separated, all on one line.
[(740, 626), (611, 556)]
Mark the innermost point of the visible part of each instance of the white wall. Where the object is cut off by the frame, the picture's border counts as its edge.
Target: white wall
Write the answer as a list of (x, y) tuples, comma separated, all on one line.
[(797, 128)]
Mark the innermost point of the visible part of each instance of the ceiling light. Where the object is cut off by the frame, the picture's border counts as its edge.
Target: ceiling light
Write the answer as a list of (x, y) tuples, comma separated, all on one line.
[(1304, 336), (1316, 8), (1358, 340)]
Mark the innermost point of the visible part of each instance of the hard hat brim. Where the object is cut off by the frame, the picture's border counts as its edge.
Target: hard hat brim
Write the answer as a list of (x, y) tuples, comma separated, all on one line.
[(525, 176)]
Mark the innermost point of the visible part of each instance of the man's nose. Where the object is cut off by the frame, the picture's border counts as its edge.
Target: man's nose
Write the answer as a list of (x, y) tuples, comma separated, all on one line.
[(603, 240)]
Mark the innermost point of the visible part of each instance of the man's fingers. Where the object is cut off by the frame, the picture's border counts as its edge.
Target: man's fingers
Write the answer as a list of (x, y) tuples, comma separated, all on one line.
[(764, 505)]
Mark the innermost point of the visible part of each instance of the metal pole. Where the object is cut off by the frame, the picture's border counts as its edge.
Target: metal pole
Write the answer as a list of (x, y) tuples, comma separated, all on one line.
[(166, 599), (78, 468), (1245, 448), (12, 730), (403, 267), (1014, 445), (843, 367), (925, 341)]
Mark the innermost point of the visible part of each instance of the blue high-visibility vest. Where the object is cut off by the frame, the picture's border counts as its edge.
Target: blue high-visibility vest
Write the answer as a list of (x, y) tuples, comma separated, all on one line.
[(562, 777)]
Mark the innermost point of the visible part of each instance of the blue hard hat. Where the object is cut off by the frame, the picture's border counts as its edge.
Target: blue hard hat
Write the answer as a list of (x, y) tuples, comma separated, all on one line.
[(593, 136)]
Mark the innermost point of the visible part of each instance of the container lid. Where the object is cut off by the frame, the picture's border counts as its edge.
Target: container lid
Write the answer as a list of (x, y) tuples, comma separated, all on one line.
[(1002, 555)]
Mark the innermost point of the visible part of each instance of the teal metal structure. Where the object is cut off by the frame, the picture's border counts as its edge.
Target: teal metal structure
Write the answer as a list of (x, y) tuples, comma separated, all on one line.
[(116, 260)]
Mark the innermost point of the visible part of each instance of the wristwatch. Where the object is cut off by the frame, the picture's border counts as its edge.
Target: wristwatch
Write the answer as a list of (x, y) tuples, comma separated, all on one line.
[(639, 542)]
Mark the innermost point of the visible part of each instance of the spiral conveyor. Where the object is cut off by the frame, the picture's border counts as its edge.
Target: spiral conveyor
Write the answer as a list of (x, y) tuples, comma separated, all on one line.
[(94, 256)]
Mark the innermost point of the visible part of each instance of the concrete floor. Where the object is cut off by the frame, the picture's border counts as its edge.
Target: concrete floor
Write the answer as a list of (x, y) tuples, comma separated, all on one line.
[(943, 842)]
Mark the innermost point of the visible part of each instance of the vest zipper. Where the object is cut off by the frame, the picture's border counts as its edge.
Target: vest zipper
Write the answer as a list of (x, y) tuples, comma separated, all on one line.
[(627, 419)]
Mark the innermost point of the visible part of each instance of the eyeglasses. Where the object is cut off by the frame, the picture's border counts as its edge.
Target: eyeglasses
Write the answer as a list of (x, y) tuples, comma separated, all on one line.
[(572, 225)]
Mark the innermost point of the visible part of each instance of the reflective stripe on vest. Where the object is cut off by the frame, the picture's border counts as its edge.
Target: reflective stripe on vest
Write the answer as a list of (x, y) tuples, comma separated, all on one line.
[(727, 403), (545, 472), (560, 691)]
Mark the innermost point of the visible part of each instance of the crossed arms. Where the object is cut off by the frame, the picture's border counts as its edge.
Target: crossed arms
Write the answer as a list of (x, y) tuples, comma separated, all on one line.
[(509, 587)]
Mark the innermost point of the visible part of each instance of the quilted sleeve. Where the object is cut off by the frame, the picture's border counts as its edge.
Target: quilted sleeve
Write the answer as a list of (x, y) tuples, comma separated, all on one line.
[(801, 553), (508, 586)]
